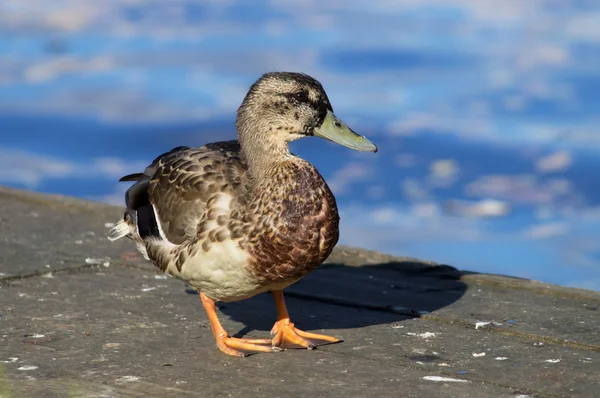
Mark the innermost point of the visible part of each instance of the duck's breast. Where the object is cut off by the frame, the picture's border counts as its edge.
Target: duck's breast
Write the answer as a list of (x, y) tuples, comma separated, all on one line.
[(298, 228)]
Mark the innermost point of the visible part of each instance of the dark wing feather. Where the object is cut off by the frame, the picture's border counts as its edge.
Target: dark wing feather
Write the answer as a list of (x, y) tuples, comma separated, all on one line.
[(137, 198), (184, 180), (132, 177)]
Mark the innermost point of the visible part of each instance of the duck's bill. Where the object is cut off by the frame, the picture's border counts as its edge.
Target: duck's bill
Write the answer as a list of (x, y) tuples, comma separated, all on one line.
[(333, 129)]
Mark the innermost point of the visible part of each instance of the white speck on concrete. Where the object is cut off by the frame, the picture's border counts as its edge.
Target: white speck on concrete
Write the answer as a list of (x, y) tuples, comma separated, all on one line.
[(79, 242), (425, 335), (147, 289), (109, 224), (127, 379), (501, 358), (47, 265), (37, 336), (98, 261), (443, 364), (11, 360), (478, 354), (28, 367), (160, 276), (445, 379), (48, 275), (486, 323), (552, 360)]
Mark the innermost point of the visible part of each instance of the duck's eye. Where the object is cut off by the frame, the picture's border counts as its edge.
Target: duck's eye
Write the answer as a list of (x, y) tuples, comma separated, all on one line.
[(301, 96)]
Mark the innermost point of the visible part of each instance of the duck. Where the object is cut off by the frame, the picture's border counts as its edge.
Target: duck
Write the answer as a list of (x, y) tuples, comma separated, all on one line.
[(234, 219)]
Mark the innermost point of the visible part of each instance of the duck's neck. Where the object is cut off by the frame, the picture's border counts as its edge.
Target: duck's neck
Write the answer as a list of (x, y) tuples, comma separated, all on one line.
[(261, 150)]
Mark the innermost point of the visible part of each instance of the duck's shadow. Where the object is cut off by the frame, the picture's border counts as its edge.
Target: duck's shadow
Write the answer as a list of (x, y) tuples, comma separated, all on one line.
[(337, 296)]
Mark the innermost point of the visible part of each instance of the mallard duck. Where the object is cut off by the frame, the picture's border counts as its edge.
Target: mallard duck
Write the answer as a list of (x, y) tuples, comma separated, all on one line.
[(237, 218)]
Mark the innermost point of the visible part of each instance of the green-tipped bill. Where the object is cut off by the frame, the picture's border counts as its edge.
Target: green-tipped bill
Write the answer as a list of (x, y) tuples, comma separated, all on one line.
[(333, 129)]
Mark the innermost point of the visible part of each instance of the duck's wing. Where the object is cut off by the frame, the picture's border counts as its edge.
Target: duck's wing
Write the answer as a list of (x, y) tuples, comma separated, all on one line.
[(171, 195)]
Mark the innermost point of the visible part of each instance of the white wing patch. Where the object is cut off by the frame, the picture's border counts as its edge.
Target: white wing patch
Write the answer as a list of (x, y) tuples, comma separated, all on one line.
[(158, 222)]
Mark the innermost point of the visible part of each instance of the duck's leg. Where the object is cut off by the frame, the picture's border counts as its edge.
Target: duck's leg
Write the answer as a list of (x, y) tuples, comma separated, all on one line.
[(231, 345), (285, 335)]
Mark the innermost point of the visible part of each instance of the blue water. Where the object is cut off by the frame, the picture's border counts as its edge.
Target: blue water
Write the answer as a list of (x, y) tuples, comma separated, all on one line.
[(485, 112)]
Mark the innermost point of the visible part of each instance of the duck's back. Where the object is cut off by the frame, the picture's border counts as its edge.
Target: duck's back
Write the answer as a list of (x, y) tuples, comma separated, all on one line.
[(171, 196), (195, 182)]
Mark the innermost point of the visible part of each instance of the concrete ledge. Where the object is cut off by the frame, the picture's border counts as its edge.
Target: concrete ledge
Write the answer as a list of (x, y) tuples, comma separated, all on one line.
[(81, 316)]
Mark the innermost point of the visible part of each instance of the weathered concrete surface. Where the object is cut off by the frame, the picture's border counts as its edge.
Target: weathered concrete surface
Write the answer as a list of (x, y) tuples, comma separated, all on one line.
[(83, 317)]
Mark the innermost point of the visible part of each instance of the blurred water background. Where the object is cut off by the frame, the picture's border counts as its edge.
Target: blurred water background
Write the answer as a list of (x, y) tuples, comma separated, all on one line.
[(485, 112)]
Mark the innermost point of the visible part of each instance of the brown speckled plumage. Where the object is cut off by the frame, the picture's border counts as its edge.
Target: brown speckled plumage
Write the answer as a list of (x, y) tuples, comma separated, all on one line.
[(306, 230), (237, 218), (288, 222)]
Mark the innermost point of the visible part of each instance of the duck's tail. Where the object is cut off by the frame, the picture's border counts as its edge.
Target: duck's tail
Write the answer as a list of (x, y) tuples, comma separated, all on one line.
[(136, 223), (139, 221), (124, 227)]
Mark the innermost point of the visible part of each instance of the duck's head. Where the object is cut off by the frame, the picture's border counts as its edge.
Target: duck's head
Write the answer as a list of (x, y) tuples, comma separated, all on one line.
[(285, 106)]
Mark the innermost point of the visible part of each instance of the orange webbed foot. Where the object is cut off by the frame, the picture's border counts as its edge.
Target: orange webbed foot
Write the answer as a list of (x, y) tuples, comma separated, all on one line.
[(287, 336)]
